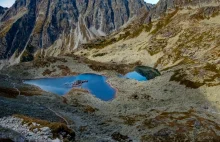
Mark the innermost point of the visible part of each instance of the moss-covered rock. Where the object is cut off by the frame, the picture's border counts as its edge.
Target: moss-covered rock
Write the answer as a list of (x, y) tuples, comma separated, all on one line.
[(148, 72), (26, 57)]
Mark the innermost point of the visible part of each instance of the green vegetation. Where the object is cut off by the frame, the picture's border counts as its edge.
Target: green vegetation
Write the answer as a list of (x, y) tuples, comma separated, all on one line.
[(128, 120), (137, 31), (185, 61), (26, 56), (211, 67), (187, 41), (129, 32), (179, 76), (48, 72), (4, 31), (89, 109), (99, 54), (208, 75), (164, 21), (202, 15), (156, 46), (178, 126), (38, 26)]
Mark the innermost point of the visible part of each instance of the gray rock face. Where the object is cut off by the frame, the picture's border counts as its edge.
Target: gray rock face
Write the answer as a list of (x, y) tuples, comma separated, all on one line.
[(148, 72), (2, 11), (164, 5), (33, 25)]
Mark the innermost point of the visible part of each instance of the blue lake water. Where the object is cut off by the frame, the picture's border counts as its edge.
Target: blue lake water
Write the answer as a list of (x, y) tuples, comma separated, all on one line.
[(136, 76), (96, 85)]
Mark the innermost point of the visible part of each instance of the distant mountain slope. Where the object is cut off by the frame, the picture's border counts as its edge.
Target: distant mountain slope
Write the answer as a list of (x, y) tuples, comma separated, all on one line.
[(164, 6), (59, 26), (183, 39)]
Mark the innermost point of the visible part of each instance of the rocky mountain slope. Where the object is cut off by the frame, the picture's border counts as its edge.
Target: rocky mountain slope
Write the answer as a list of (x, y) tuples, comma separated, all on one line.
[(178, 37), (54, 27), (184, 39), (2, 10), (164, 5)]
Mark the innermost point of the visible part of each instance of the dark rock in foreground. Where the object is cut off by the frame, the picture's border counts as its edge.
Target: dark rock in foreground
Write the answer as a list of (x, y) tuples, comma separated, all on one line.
[(148, 72)]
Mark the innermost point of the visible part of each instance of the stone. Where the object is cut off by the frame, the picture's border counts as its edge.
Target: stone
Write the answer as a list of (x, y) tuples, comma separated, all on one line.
[(148, 72), (35, 130), (34, 124)]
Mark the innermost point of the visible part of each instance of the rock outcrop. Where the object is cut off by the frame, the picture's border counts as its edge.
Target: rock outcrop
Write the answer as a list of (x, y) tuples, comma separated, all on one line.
[(59, 26), (148, 72), (2, 11), (164, 6)]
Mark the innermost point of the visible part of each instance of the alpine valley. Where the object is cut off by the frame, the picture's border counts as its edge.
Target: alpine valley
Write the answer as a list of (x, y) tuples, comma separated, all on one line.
[(110, 70)]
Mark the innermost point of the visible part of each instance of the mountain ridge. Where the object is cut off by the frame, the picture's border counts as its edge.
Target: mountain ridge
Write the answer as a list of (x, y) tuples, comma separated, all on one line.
[(46, 26), (181, 39), (177, 40)]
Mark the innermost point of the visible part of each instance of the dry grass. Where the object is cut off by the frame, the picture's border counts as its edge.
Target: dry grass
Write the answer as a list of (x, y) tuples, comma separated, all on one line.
[(13, 93), (66, 70), (164, 21), (57, 128), (178, 126), (89, 109), (46, 62), (128, 120), (38, 27), (8, 24), (48, 72), (206, 13), (207, 74)]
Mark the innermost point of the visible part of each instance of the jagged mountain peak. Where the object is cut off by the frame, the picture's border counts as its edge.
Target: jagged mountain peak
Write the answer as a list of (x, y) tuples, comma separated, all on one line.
[(53, 27), (164, 5), (2, 11)]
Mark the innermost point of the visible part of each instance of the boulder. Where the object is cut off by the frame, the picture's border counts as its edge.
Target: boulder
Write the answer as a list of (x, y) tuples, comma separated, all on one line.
[(148, 72)]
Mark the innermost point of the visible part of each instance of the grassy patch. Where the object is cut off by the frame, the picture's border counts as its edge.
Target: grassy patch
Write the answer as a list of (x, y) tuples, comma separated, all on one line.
[(38, 26), (48, 72), (46, 62), (6, 29), (128, 120), (178, 76), (164, 21), (208, 75), (206, 13), (89, 109), (66, 70), (178, 126), (132, 31), (156, 45), (98, 66), (26, 56), (99, 55)]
